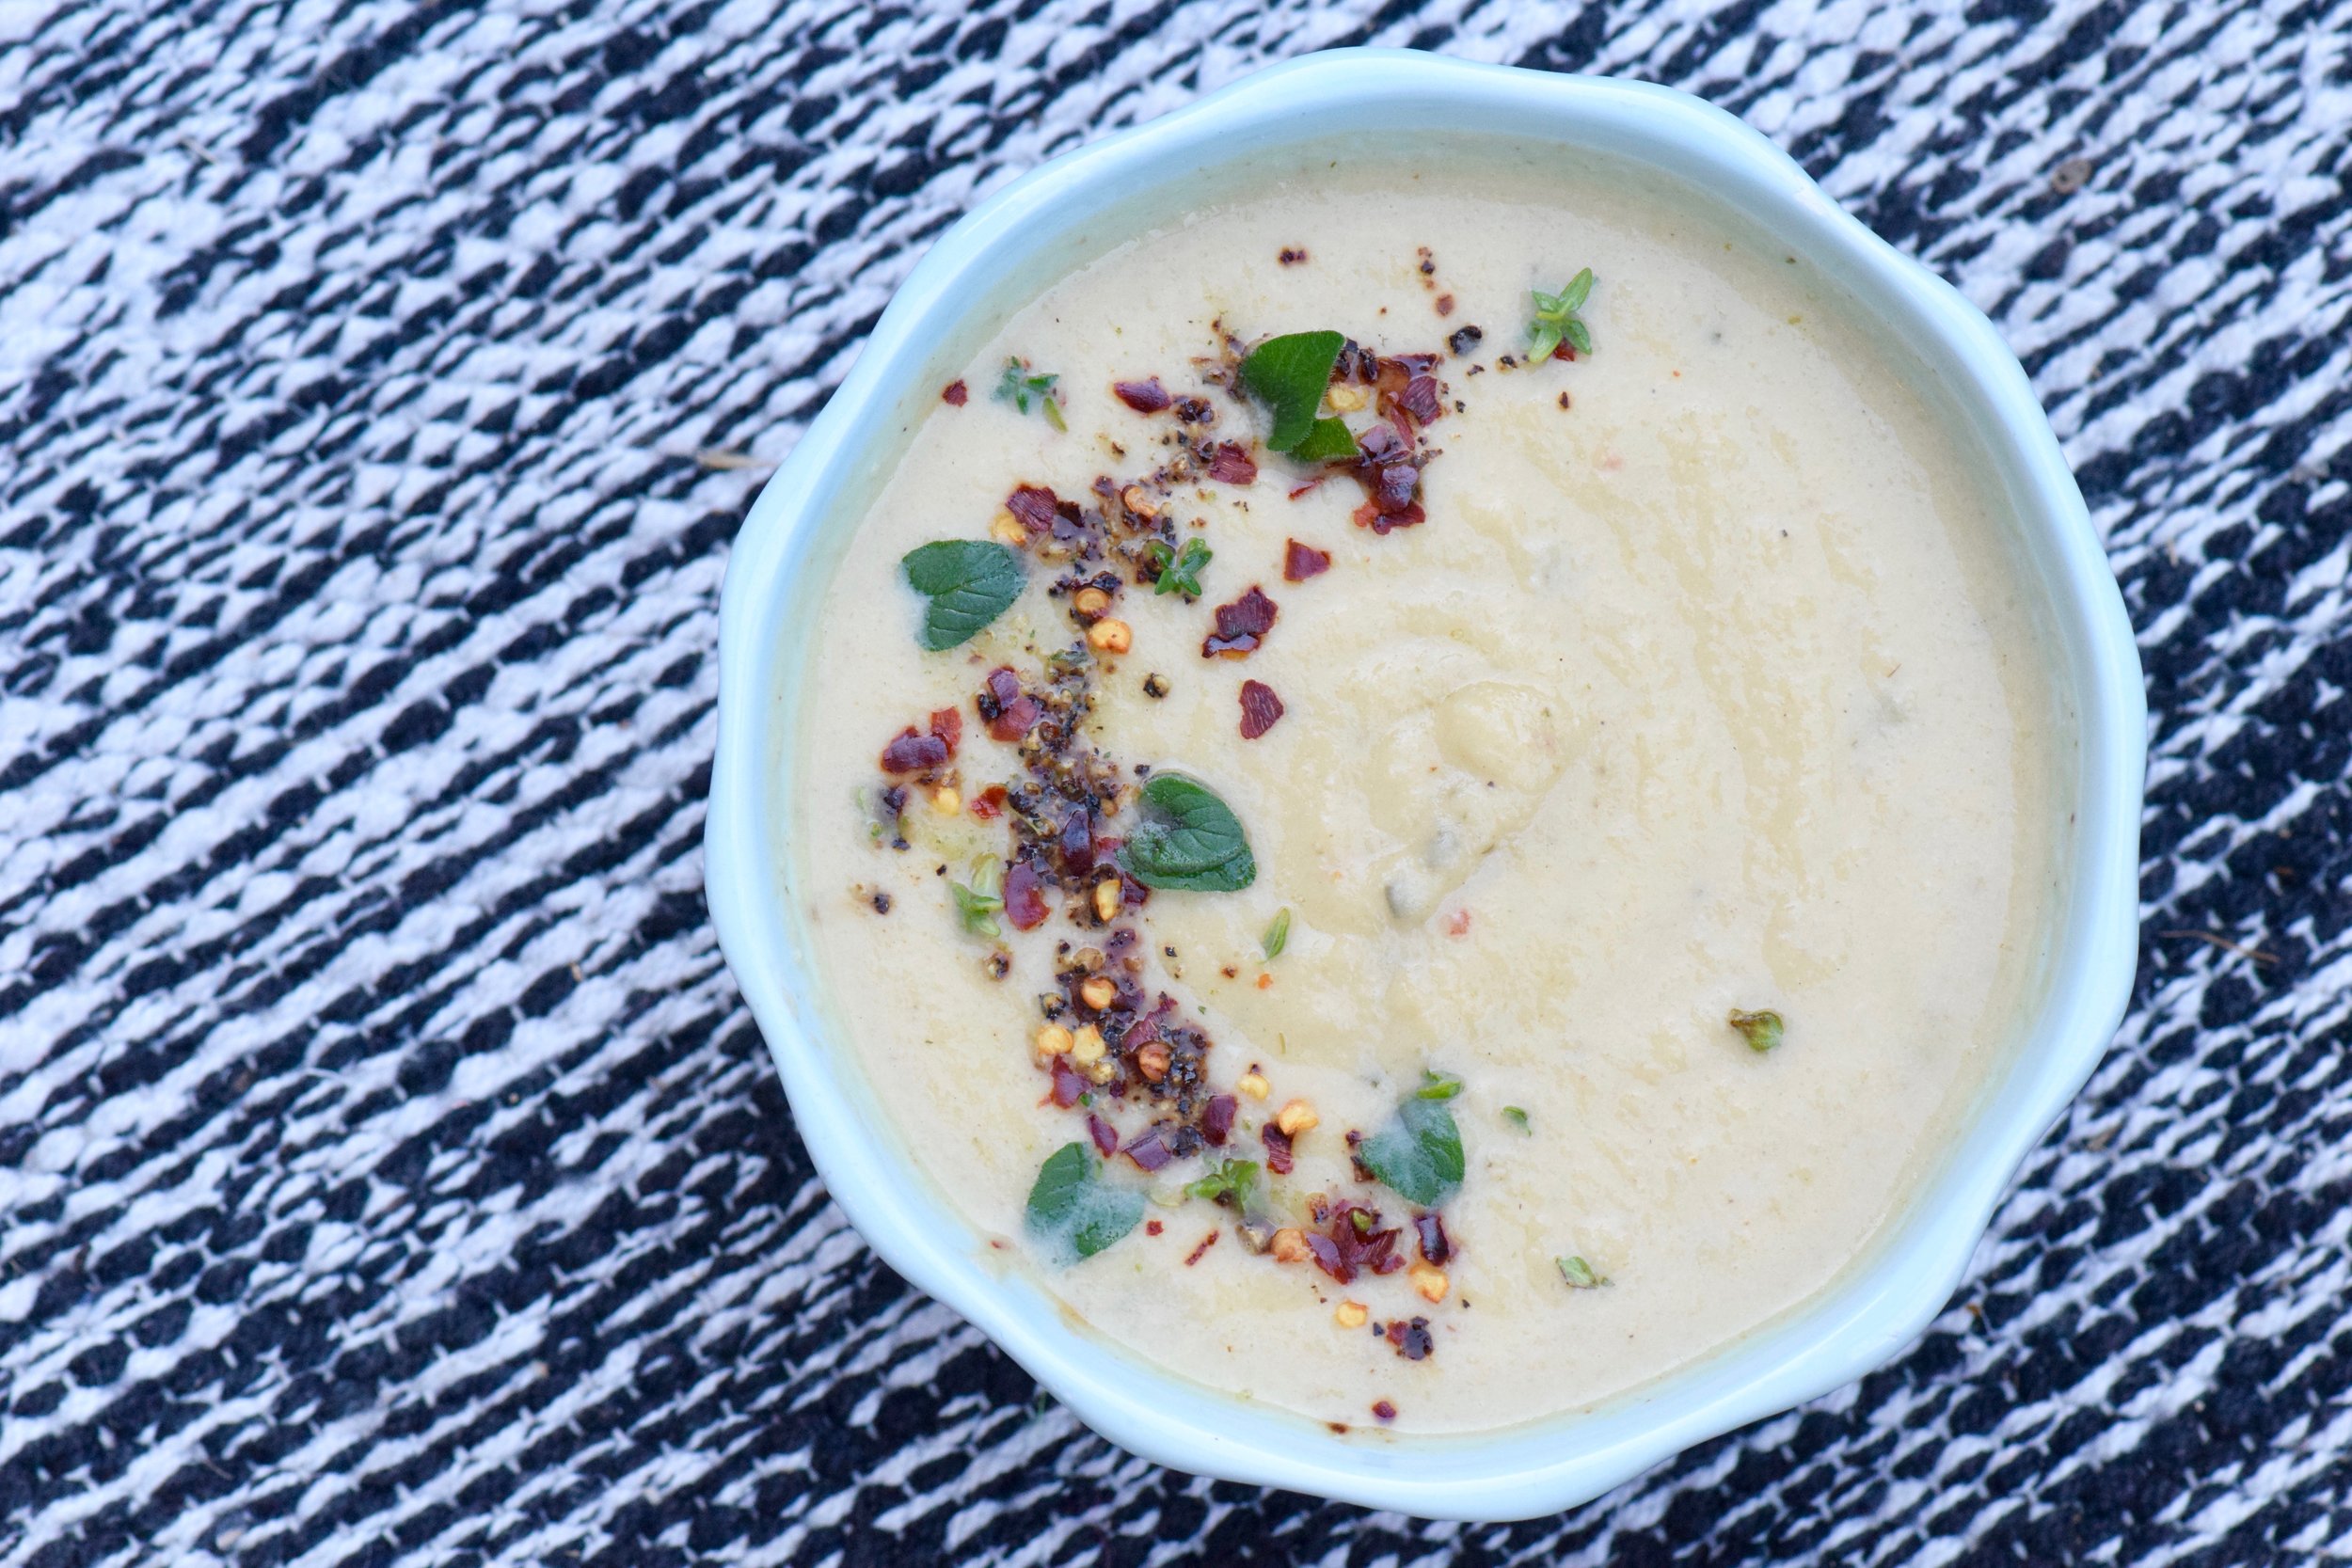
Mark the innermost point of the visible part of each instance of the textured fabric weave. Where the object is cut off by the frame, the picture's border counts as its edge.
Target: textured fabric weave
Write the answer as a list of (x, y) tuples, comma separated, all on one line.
[(389, 1171)]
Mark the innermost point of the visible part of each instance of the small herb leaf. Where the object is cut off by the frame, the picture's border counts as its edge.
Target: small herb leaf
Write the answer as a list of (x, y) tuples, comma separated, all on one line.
[(976, 905), (1438, 1085), (1556, 319), (1188, 840), (1180, 569), (1419, 1155), (1518, 1118), (969, 583), (1288, 374), (1020, 388), (1236, 1179), (1277, 936), (1762, 1029), (1579, 1274), (1328, 441), (1073, 1211)]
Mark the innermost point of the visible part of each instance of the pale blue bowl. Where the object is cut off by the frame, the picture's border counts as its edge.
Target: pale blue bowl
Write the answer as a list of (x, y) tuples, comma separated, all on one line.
[(1019, 241)]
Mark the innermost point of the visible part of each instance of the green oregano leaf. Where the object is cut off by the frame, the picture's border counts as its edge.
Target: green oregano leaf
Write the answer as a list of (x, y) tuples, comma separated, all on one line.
[(1180, 569), (968, 582), (1073, 1211), (1188, 840), (1018, 386), (1288, 374), (1518, 1118), (1556, 320), (1763, 1030), (1579, 1274), (1419, 1155), (1276, 936), (1328, 441), (1234, 1180), (1438, 1085), (976, 905)]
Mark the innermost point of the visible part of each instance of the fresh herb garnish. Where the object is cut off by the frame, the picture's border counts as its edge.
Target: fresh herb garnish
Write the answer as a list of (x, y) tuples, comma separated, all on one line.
[(1579, 1274), (1419, 1155), (1518, 1118), (1438, 1085), (1328, 441), (1276, 936), (1762, 1029), (976, 905), (1188, 840), (969, 583), (1288, 374), (1075, 1210), (1556, 319), (1236, 1179), (1180, 569), (1019, 387)]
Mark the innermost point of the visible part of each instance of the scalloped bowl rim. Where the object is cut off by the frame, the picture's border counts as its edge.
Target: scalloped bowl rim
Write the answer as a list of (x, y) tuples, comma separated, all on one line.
[(1863, 1317)]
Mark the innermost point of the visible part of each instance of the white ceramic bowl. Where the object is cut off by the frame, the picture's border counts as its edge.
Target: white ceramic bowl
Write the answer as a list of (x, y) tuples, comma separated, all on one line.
[(1013, 245)]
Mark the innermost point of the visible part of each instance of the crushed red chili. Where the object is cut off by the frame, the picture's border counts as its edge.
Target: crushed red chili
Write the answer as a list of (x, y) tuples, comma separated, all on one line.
[(1301, 562), (1384, 1410), (1206, 1242), (1106, 1136), (1277, 1148), (1260, 709), (1241, 626), (1230, 464), (1216, 1118), (915, 752), (954, 394), (1024, 896), (1034, 505), (1144, 397), (1412, 1340), (1436, 1246)]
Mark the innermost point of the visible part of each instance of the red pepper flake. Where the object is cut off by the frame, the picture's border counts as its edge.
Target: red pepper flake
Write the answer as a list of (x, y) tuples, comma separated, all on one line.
[(1277, 1148), (988, 804), (1436, 1246), (1291, 256), (1352, 1241), (914, 752), (1458, 923), (1153, 1227), (947, 724), (1419, 398), (1411, 1341), (1241, 626), (1144, 397), (1383, 1409), (1233, 464), (1266, 982), (1206, 1242), (1260, 709), (1216, 1119), (1370, 516), (1009, 711), (1068, 1085), (1024, 896), (955, 394), (1445, 305), (1149, 1153), (1301, 562), (1034, 505), (1298, 490), (1106, 1136), (1196, 411), (1564, 351)]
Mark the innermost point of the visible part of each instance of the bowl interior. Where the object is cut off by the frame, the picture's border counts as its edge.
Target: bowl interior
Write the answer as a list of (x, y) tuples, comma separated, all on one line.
[(1073, 210)]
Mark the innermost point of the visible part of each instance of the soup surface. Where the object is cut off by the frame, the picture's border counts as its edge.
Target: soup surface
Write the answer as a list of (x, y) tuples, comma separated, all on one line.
[(1596, 708)]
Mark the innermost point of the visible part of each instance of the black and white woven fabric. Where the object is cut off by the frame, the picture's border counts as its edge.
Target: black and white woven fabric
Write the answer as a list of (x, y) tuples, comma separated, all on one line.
[(388, 1172)]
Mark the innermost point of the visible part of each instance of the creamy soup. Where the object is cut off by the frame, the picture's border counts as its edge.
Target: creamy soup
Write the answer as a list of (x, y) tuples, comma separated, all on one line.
[(1437, 933)]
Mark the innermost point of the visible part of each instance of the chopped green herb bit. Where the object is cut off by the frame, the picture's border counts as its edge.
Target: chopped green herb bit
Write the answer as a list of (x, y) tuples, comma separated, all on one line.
[(1579, 1274), (1277, 936), (1288, 374), (1075, 1210), (1018, 386), (969, 583), (1438, 1085), (976, 905), (1419, 1155), (1234, 1180), (1762, 1029), (1180, 569), (1188, 840), (1556, 320), (1518, 1118)]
